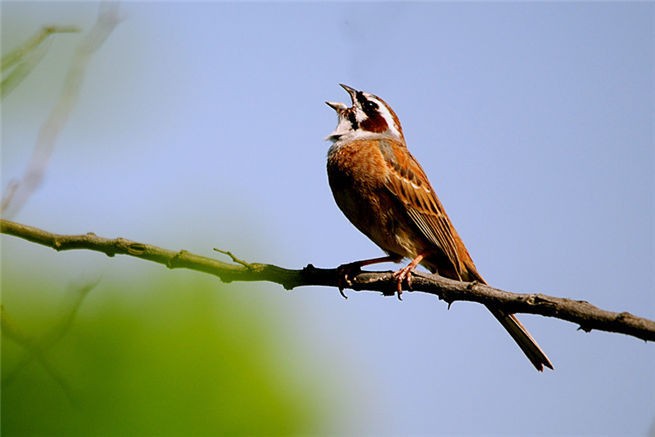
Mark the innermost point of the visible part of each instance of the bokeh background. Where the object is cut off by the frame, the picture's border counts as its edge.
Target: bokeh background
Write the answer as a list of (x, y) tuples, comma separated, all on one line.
[(201, 125)]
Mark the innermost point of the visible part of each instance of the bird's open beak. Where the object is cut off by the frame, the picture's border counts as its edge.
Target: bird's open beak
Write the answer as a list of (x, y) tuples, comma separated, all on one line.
[(338, 106), (343, 126)]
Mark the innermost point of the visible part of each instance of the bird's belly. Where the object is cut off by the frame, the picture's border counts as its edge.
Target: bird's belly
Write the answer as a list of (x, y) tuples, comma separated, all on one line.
[(369, 206)]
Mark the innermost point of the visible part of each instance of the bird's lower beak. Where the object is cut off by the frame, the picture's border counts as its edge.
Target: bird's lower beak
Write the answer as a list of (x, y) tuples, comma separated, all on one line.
[(337, 106)]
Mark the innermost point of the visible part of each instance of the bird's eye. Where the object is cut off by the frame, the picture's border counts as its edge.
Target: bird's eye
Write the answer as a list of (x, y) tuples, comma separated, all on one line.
[(371, 106)]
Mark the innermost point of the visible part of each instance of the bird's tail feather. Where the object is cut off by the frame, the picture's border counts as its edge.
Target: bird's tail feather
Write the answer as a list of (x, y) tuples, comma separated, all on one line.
[(523, 338), (509, 321)]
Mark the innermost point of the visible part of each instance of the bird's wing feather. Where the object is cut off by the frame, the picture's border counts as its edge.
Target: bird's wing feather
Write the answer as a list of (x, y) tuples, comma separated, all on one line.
[(408, 182)]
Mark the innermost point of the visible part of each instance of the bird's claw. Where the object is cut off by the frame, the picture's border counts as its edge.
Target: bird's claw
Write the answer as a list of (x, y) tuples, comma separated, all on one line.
[(344, 273), (404, 274)]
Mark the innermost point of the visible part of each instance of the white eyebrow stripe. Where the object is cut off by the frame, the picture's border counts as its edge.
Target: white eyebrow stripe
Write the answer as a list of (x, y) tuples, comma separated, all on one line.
[(384, 111)]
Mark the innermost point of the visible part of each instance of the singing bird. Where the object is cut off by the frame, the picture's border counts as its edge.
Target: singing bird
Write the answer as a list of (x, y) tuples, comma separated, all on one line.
[(384, 192)]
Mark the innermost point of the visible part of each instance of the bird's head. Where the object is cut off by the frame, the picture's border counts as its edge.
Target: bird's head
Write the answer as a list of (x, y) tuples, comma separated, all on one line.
[(369, 116)]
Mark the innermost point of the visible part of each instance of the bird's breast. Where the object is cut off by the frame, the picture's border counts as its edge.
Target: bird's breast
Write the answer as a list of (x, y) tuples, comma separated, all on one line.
[(357, 174)]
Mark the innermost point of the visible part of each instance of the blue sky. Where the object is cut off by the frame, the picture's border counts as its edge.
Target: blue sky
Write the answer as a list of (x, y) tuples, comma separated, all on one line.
[(202, 125)]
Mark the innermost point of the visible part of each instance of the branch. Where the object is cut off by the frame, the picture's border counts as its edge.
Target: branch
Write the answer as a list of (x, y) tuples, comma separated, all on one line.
[(582, 313)]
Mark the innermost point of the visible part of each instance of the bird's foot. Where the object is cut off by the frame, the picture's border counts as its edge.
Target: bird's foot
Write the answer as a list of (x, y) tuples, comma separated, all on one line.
[(404, 274), (344, 273)]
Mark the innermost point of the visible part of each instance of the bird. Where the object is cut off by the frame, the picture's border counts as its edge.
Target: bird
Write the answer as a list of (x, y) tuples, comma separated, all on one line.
[(384, 192)]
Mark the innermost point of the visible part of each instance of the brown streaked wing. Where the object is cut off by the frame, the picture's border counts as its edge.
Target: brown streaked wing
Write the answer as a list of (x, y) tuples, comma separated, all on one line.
[(408, 182)]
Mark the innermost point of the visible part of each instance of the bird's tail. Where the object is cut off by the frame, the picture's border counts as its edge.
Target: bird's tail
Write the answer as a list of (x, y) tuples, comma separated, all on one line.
[(468, 272), (523, 338)]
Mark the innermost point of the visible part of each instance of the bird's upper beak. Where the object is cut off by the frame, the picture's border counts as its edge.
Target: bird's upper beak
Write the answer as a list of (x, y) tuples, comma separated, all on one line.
[(351, 91)]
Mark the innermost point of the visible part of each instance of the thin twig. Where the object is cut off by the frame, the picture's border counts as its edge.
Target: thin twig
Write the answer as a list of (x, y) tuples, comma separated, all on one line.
[(234, 258)]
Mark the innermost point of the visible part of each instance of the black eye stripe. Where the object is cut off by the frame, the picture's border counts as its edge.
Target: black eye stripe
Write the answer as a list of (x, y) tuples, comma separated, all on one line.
[(353, 120)]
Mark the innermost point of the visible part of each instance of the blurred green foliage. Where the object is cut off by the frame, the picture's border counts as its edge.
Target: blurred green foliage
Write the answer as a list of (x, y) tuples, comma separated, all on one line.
[(18, 63), (156, 357)]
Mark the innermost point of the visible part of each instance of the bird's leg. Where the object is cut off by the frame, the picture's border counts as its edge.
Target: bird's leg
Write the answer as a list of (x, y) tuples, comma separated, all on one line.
[(345, 271), (406, 274)]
